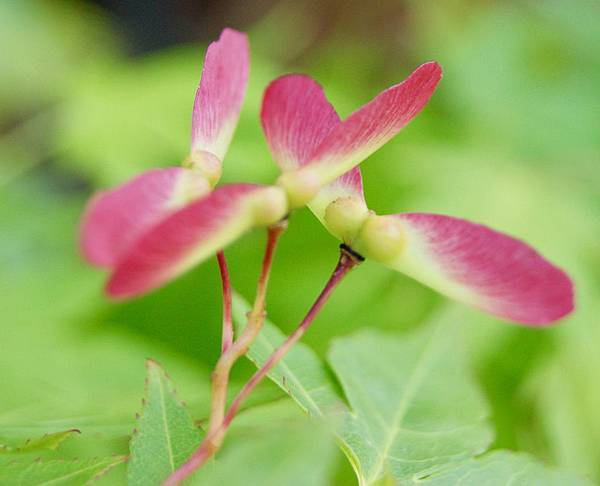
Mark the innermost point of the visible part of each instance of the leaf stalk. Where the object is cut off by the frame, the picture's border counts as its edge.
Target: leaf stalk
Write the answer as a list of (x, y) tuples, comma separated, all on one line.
[(227, 334)]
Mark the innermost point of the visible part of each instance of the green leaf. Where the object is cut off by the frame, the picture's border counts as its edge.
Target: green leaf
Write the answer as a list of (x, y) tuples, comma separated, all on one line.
[(415, 414), (55, 472), (413, 404), (166, 434), (271, 445), (46, 442), (500, 468)]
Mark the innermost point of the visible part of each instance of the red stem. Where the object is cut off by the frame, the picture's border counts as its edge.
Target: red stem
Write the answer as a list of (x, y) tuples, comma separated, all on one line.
[(348, 260), (220, 376), (227, 336)]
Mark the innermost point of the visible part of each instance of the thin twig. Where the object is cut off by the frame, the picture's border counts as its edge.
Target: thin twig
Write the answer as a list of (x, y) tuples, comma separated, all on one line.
[(220, 375), (227, 335)]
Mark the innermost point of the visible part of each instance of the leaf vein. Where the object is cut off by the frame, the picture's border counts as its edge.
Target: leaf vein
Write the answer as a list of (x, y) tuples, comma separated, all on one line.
[(414, 382), (166, 424)]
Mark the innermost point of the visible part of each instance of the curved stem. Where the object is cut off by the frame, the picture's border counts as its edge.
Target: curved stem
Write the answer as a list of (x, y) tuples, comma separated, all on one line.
[(220, 376), (348, 260), (227, 335), (214, 438)]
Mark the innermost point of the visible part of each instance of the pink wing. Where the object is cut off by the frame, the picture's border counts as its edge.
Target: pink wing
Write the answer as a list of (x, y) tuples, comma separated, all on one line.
[(221, 92), (373, 125), (114, 219), (296, 117), (192, 234), (485, 268)]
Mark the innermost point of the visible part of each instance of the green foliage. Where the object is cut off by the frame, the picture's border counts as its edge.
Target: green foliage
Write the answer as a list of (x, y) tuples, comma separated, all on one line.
[(165, 436), (57, 472), (420, 418), (400, 425), (503, 467), (34, 76), (93, 384)]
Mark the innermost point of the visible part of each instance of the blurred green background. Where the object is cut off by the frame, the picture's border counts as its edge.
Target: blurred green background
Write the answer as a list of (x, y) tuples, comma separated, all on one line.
[(93, 93)]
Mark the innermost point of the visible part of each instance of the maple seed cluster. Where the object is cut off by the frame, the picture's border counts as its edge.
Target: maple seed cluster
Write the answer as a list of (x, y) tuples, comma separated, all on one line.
[(164, 222)]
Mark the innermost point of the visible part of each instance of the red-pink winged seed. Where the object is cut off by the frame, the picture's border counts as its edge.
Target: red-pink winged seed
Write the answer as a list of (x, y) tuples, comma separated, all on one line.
[(512, 280), (184, 239), (375, 123), (115, 218), (295, 117), (220, 93)]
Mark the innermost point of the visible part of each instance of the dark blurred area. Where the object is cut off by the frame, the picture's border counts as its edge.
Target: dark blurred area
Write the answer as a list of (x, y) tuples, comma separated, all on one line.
[(152, 25)]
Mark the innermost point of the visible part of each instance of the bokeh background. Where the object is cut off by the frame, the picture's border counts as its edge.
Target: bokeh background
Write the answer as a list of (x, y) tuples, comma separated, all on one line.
[(92, 93)]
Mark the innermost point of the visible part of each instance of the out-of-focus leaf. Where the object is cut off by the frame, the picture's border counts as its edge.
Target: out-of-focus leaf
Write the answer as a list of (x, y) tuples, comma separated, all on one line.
[(165, 436), (271, 445), (564, 390), (63, 473), (87, 371), (519, 75), (500, 468), (46, 442), (413, 404), (44, 44)]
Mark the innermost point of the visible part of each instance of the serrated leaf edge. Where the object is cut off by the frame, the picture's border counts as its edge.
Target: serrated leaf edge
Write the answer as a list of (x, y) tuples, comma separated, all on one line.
[(22, 449), (117, 460), (152, 365)]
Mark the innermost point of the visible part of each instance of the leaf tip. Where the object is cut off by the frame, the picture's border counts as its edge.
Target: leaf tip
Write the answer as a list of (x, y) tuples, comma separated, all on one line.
[(152, 364)]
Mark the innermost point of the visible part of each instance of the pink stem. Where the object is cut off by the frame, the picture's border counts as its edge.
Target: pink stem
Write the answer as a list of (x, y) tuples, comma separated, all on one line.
[(220, 376), (348, 260), (227, 337)]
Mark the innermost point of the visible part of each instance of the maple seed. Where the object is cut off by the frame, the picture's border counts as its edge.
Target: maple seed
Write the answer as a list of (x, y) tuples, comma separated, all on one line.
[(300, 186), (345, 216), (207, 163), (381, 237)]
